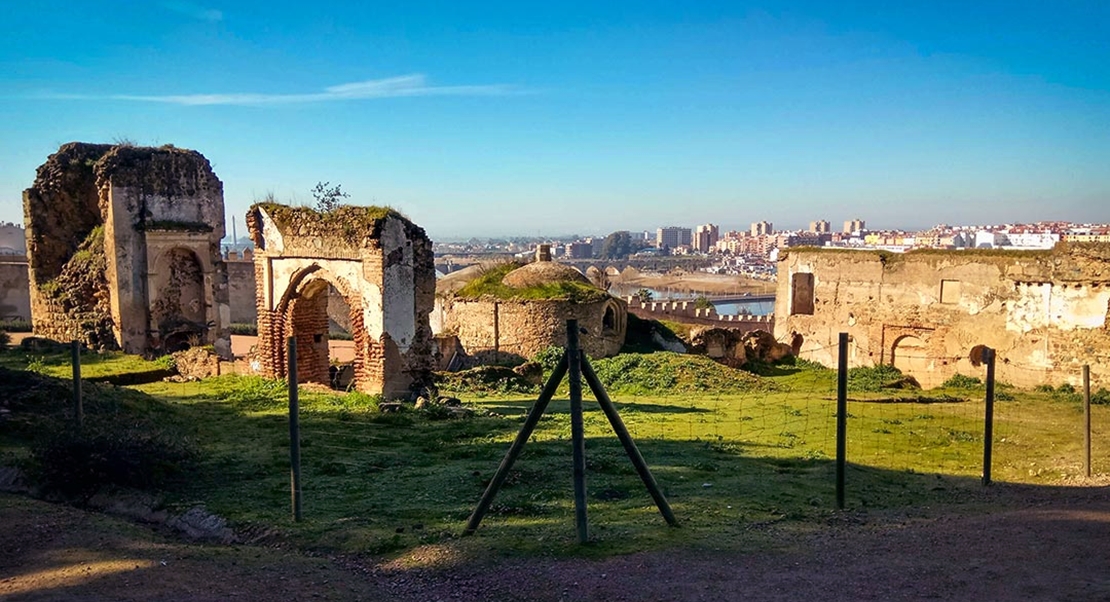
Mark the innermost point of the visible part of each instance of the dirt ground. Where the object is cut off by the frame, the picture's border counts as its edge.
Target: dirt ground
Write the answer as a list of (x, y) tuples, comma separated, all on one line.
[(1015, 544)]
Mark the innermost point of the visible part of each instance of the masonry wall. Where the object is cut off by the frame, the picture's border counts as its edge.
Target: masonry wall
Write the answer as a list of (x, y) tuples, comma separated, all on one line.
[(15, 295), (380, 263), (243, 305), (687, 312), (490, 330), (1046, 313), (101, 222)]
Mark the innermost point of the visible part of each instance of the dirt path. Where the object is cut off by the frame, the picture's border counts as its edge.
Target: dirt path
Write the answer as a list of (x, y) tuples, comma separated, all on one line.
[(1047, 544)]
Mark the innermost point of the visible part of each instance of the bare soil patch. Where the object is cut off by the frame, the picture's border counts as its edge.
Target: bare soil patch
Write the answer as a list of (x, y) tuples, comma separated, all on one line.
[(1015, 543)]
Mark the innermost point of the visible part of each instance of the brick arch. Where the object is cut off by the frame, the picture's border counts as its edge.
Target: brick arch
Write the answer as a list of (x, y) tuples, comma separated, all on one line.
[(302, 311)]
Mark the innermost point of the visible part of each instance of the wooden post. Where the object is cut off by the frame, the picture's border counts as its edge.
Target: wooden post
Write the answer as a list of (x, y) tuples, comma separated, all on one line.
[(1087, 420), (626, 440), (577, 431), (522, 437), (294, 431), (78, 403), (841, 418), (988, 420)]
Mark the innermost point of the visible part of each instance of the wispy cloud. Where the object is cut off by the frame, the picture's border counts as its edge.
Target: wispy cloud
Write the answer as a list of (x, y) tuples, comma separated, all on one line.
[(193, 10), (406, 85)]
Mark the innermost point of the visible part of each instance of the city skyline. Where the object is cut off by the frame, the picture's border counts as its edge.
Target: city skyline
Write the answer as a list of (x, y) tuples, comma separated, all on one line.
[(504, 119)]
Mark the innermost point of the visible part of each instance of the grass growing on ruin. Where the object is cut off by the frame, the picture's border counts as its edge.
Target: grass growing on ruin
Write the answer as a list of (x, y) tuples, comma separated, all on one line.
[(489, 284), (386, 482)]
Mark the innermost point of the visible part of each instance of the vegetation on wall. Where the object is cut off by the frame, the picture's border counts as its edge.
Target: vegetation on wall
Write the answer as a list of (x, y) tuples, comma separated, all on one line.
[(489, 284)]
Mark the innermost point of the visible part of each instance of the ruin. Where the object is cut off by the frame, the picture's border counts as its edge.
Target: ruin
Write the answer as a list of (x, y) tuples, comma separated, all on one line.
[(1044, 312), (510, 312), (373, 261), (123, 249)]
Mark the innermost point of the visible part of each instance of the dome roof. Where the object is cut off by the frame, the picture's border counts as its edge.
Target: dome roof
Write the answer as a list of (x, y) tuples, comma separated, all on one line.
[(542, 272)]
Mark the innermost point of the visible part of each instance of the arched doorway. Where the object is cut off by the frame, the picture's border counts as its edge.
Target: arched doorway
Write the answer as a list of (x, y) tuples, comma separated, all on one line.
[(316, 309), (179, 310), (909, 355)]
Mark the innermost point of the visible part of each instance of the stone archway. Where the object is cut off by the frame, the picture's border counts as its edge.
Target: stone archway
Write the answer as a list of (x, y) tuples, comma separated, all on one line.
[(909, 355), (178, 313), (378, 261)]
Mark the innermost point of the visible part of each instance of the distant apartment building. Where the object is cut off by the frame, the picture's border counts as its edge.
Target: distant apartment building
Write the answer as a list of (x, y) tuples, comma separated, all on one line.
[(580, 250), (762, 229), (854, 225), (673, 237), (706, 237), (820, 226)]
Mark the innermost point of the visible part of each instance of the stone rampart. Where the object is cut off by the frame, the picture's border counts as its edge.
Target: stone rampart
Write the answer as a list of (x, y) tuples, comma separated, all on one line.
[(687, 312)]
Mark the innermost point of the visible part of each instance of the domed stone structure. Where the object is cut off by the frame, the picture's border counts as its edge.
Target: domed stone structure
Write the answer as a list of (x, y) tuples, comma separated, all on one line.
[(510, 312)]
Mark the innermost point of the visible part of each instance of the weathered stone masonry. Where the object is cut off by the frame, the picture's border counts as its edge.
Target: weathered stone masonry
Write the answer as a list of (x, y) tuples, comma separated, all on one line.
[(123, 245), (377, 260), (1046, 312)]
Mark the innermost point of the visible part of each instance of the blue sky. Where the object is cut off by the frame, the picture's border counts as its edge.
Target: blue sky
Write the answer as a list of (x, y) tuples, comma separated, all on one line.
[(551, 118)]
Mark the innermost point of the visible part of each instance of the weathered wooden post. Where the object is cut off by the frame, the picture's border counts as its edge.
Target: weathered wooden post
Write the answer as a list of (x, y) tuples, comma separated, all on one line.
[(1087, 420), (988, 420), (841, 418), (294, 431), (78, 403), (577, 431)]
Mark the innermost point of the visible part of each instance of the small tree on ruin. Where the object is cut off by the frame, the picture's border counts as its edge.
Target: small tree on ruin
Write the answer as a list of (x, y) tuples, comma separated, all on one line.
[(328, 197)]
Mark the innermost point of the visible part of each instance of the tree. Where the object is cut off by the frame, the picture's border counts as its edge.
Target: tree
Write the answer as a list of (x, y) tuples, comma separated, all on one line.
[(328, 197), (618, 245), (703, 302), (645, 295)]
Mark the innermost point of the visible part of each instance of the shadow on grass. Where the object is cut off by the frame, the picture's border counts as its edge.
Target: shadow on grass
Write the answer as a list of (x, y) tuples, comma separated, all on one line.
[(562, 406), (383, 483)]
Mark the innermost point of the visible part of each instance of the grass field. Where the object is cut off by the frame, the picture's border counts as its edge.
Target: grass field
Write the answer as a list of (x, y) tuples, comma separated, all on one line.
[(386, 482)]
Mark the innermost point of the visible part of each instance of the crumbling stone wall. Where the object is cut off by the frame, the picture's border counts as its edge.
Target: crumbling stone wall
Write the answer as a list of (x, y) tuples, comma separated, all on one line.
[(687, 312), (377, 260), (1045, 312), (107, 230)]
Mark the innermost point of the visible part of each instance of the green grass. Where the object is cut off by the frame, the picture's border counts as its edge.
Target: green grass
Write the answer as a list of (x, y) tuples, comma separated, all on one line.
[(93, 364), (383, 483), (489, 284)]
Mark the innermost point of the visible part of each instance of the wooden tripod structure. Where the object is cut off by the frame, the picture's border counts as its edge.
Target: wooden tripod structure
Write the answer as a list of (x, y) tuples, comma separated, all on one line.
[(575, 362)]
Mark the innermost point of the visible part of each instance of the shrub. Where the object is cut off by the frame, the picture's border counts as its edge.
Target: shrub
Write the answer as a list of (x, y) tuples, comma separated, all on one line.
[(244, 329), (75, 464), (15, 325), (549, 357), (166, 362), (874, 378), (5, 340), (666, 372), (962, 381), (1101, 397)]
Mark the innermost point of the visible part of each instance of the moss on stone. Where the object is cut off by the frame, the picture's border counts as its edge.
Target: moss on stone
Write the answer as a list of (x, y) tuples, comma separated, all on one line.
[(490, 284), (349, 222)]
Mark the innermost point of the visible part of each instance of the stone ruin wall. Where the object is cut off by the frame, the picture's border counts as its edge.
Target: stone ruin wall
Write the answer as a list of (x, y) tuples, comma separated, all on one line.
[(490, 330), (15, 298), (1046, 313), (107, 228), (383, 268), (687, 312)]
